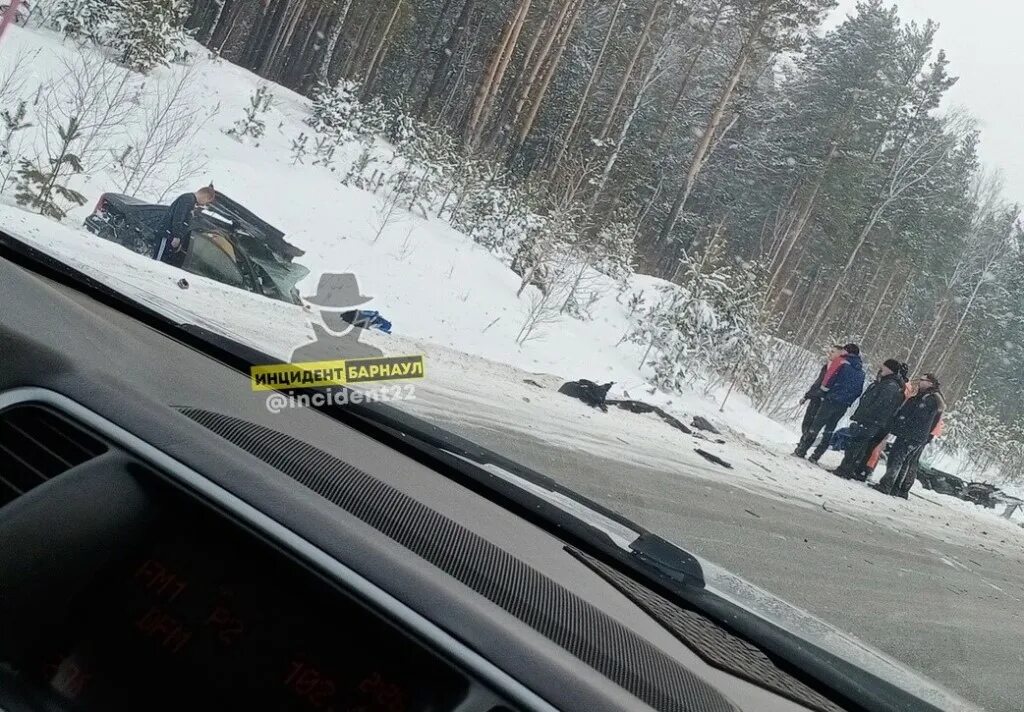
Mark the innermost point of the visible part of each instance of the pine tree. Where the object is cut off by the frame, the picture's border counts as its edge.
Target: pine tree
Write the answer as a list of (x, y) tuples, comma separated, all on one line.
[(149, 33), (84, 19)]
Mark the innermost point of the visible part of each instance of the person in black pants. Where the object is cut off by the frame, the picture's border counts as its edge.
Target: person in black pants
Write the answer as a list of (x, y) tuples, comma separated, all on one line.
[(913, 428), (814, 394), (839, 394), (872, 418), (177, 229)]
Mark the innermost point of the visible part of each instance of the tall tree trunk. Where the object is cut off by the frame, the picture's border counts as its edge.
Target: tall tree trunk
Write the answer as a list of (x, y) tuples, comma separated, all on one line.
[(700, 153), (258, 46), (301, 63), (437, 82), (220, 33), (878, 306), (495, 74), (218, 13), (355, 60), (691, 67), (371, 70), (524, 83), (955, 336), (274, 59), (537, 101), (526, 67), (648, 79), (897, 302), (627, 74), (570, 134), (323, 71), (435, 30), (803, 216), (869, 293)]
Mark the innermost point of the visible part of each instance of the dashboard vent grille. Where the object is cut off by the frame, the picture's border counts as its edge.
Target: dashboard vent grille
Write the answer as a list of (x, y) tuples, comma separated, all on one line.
[(585, 631), (37, 444)]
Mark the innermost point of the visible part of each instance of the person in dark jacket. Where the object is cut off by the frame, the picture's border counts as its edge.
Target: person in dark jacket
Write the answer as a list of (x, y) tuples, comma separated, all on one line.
[(913, 426), (814, 394), (875, 412), (842, 391), (177, 229), (874, 454)]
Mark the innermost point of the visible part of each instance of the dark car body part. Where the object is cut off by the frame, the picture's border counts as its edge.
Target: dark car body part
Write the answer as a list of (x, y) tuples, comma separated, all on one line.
[(262, 257)]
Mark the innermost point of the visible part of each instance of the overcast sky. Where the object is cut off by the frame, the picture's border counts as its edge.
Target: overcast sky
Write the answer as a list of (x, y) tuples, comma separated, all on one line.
[(985, 43)]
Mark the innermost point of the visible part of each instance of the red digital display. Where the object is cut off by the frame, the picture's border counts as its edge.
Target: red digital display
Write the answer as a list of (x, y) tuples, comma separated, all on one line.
[(205, 619)]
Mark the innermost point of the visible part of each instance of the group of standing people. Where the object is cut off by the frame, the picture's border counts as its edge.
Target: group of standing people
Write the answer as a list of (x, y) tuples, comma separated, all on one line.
[(893, 405)]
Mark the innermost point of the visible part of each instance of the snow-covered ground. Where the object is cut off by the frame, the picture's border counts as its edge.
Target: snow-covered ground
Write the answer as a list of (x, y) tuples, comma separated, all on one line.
[(455, 302)]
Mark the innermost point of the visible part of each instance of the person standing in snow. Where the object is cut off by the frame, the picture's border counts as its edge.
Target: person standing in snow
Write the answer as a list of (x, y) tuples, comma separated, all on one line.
[(838, 393), (814, 394), (914, 427), (872, 418), (177, 228), (867, 468)]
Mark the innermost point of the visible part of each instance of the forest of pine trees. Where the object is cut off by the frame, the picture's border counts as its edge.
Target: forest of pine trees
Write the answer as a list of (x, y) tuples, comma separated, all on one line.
[(827, 159)]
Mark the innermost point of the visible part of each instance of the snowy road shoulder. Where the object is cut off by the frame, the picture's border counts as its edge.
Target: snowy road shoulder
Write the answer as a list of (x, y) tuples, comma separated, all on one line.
[(502, 401)]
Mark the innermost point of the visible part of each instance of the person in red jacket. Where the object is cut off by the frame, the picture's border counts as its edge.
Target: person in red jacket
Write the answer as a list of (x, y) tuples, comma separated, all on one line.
[(814, 394)]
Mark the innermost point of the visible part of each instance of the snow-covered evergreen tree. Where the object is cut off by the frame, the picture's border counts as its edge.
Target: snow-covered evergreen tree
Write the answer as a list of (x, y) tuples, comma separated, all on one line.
[(338, 113), (707, 324), (149, 33), (252, 123), (84, 19)]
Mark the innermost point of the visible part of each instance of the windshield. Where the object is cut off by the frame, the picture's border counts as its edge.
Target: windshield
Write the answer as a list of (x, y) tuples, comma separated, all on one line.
[(746, 272)]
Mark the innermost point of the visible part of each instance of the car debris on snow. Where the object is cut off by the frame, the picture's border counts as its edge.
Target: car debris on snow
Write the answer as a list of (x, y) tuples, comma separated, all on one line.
[(702, 423), (712, 458)]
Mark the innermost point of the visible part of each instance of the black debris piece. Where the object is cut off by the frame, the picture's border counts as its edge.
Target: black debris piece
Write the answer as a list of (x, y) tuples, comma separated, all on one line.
[(531, 382), (702, 423), (589, 392), (640, 407), (183, 283), (712, 458), (597, 396)]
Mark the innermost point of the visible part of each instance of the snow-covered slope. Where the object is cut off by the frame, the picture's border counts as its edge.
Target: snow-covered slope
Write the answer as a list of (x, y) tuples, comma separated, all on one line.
[(431, 281), (448, 298)]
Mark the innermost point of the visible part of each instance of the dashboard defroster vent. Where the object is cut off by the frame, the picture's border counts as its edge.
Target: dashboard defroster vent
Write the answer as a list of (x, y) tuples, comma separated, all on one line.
[(583, 630), (37, 444)]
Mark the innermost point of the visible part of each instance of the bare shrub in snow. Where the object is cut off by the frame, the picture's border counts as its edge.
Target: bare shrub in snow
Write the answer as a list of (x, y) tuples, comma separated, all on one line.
[(88, 103), (790, 370), (158, 156), (357, 173), (545, 306)]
